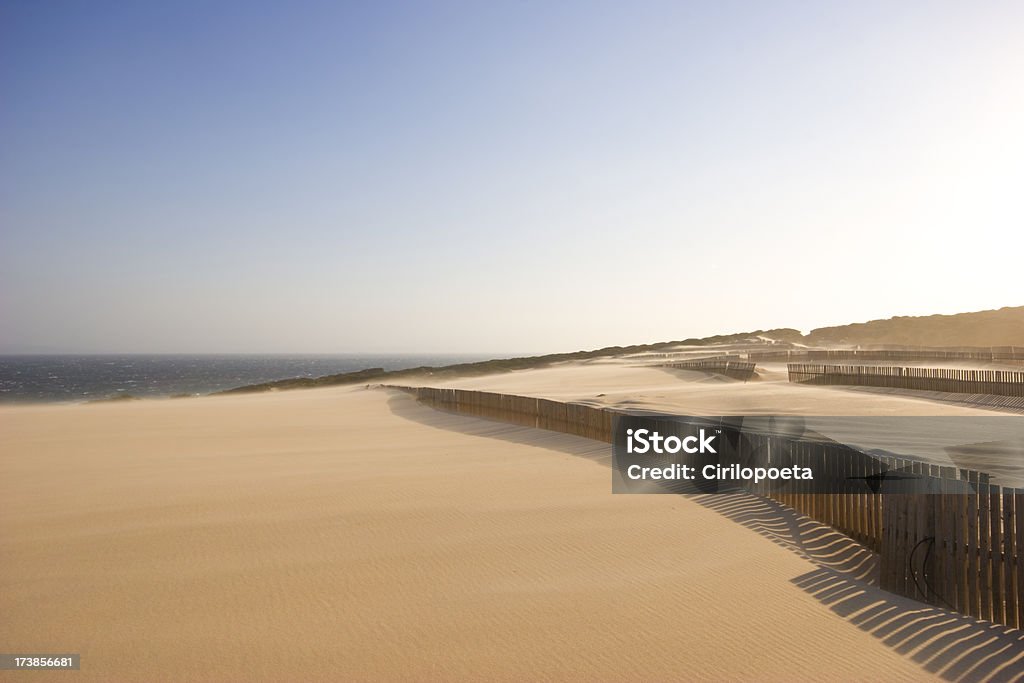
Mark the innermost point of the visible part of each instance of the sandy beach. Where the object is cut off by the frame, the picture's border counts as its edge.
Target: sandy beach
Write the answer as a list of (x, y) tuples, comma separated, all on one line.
[(352, 534), (329, 329)]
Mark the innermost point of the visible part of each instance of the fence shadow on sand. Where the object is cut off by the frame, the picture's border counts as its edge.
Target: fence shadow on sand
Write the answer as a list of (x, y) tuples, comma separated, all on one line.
[(949, 645)]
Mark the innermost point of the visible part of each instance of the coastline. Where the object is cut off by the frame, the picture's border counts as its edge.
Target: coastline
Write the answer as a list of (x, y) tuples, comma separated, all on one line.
[(384, 539)]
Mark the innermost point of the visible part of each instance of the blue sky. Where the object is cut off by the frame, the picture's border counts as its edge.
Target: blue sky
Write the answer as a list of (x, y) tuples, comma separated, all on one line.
[(318, 177)]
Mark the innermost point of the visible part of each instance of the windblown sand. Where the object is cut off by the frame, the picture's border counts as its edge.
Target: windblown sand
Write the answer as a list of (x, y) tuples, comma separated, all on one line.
[(613, 382), (351, 534)]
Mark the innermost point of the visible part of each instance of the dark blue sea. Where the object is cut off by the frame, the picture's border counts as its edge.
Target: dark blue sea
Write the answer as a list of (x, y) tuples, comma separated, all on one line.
[(33, 379)]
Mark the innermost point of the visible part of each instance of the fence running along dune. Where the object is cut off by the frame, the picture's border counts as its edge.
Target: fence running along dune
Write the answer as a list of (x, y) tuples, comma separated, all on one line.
[(729, 366), (961, 548), (528, 411), (949, 380), (995, 354)]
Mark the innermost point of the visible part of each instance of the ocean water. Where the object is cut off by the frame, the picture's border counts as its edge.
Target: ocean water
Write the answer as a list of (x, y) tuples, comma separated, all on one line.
[(52, 378)]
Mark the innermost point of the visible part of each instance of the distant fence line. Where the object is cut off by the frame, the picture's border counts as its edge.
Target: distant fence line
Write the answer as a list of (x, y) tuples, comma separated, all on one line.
[(950, 380), (715, 357), (730, 366), (961, 549), (995, 354)]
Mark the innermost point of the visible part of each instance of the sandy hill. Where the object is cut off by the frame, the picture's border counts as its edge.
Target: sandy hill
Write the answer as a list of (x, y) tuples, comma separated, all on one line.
[(1002, 327)]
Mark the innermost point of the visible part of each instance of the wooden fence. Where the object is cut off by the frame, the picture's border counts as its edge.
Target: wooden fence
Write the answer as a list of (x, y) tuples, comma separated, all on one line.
[(960, 548), (570, 418), (950, 380), (1013, 354), (996, 354), (963, 551), (729, 366)]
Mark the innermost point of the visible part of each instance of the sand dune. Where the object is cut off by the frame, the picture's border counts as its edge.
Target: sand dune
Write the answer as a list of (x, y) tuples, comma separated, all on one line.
[(346, 534), (627, 384)]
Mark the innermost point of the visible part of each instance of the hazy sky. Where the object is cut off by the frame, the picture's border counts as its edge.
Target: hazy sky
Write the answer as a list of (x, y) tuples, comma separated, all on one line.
[(319, 177)]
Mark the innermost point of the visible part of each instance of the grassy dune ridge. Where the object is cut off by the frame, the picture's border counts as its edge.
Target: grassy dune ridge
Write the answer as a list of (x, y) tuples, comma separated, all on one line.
[(983, 328), (488, 367)]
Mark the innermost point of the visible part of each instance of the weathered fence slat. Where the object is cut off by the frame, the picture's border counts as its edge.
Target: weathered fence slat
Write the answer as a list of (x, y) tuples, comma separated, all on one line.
[(954, 381), (722, 365)]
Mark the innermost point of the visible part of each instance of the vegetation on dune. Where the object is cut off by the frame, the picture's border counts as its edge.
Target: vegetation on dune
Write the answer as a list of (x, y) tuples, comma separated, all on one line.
[(1002, 327), (985, 328), (485, 367), (489, 367), (781, 334)]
